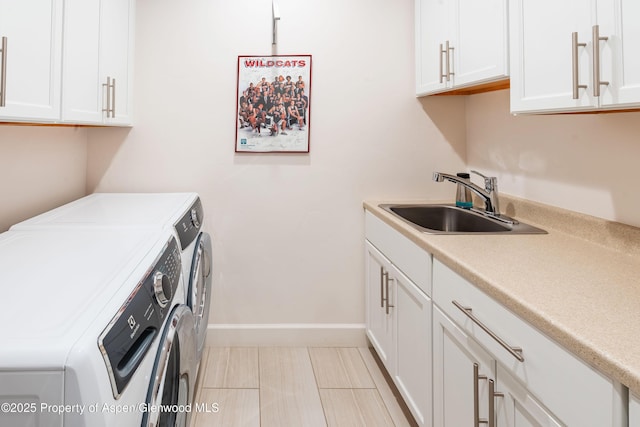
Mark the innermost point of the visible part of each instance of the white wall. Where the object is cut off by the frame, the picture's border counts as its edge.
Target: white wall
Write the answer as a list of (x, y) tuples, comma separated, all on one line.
[(41, 167), (582, 162), (288, 229)]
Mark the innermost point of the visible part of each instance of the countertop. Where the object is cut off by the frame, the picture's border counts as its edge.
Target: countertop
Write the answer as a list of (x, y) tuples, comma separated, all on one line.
[(579, 284)]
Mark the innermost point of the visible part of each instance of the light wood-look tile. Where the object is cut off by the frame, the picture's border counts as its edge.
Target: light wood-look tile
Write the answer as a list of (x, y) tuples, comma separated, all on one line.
[(288, 391), (354, 407), (340, 368), (235, 367), (235, 407), (388, 397), (201, 372)]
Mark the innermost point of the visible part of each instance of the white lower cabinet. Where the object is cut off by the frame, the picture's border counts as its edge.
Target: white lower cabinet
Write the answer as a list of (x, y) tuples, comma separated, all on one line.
[(413, 347), (517, 407), (459, 358), (539, 383), (461, 374), (398, 318), (634, 410), (379, 321)]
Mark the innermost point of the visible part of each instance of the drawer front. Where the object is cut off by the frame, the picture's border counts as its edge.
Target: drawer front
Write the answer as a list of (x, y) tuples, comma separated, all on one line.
[(576, 393), (412, 260)]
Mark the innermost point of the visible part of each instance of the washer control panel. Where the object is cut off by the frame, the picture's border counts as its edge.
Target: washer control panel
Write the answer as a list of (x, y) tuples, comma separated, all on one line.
[(129, 335), (189, 225)]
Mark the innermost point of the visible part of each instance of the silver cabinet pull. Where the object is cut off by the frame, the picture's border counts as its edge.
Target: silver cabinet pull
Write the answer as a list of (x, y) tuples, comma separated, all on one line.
[(113, 98), (447, 64), (449, 67), (387, 289), (107, 87), (3, 74), (110, 87), (382, 275), (596, 60), (442, 51), (514, 351), (574, 50), (492, 402), (476, 396)]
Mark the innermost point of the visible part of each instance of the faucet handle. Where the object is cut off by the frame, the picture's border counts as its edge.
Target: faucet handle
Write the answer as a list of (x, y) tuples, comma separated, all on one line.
[(490, 182)]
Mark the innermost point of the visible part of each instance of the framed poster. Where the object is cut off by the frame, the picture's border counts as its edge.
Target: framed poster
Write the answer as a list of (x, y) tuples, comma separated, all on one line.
[(273, 99)]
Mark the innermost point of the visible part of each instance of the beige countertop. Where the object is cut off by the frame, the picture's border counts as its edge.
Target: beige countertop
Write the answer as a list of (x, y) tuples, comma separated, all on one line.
[(579, 284)]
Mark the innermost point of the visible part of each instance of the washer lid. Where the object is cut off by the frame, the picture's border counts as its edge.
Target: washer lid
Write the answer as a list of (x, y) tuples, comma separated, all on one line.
[(54, 283), (150, 210)]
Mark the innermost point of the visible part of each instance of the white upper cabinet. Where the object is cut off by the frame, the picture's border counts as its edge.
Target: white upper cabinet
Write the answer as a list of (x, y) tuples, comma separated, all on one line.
[(31, 61), (620, 62), (432, 32), (98, 61), (460, 44), (574, 55)]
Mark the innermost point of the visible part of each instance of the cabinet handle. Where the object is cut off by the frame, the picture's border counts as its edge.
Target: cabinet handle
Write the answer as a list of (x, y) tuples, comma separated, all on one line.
[(514, 351), (492, 402), (596, 60), (449, 58), (476, 396), (448, 62), (442, 51), (574, 62), (382, 275), (113, 98), (3, 74), (107, 87), (110, 87), (387, 289)]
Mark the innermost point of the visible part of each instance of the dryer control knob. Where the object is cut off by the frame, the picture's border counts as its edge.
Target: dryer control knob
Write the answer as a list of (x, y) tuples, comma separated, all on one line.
[(162, 288), (194, 218)]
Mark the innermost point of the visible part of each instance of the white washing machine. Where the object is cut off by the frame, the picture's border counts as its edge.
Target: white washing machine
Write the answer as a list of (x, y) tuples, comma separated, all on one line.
[(182, 213), (95, 330)]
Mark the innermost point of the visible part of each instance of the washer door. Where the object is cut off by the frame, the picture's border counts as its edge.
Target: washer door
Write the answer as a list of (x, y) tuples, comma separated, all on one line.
[(199, 294), (173, 378)]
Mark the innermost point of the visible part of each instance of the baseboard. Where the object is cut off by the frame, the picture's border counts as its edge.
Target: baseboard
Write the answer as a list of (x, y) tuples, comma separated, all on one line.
[(287, 335)]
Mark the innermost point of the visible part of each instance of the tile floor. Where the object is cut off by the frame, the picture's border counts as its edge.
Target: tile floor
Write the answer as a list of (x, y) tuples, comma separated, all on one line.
[(282, 386)]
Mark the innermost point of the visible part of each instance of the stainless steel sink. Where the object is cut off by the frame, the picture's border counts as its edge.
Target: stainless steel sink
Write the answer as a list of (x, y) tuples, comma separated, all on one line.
[(449, 219)]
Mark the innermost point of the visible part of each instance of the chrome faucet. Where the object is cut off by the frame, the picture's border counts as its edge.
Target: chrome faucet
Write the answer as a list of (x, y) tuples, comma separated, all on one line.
[(489, 194)]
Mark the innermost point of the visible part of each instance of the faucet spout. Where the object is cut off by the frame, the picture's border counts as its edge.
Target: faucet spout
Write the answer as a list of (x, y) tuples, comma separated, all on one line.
[(489, 196)]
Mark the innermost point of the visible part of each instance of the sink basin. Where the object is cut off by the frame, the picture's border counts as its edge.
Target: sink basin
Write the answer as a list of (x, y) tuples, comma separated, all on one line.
[(449, 219)]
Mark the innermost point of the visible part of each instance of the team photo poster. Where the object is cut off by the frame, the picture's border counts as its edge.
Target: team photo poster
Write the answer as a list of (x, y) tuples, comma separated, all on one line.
[(273, 99)]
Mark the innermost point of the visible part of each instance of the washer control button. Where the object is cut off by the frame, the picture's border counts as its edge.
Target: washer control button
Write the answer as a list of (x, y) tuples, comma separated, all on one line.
[(194, 218), (162, 288)]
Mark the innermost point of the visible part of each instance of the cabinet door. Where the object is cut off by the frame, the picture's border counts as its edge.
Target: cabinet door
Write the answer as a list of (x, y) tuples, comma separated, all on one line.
[(457, 391), (634, 410), (82, 94), (481, 45), (413, 347), (379, 318), (433, 20), (116, 56), (98, 45), (517, 407), (541, 54), (33, 59), (619, 59)]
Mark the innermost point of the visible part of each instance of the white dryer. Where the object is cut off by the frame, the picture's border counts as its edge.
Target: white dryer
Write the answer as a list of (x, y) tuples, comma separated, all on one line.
[(182, 213), (92, 315)]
